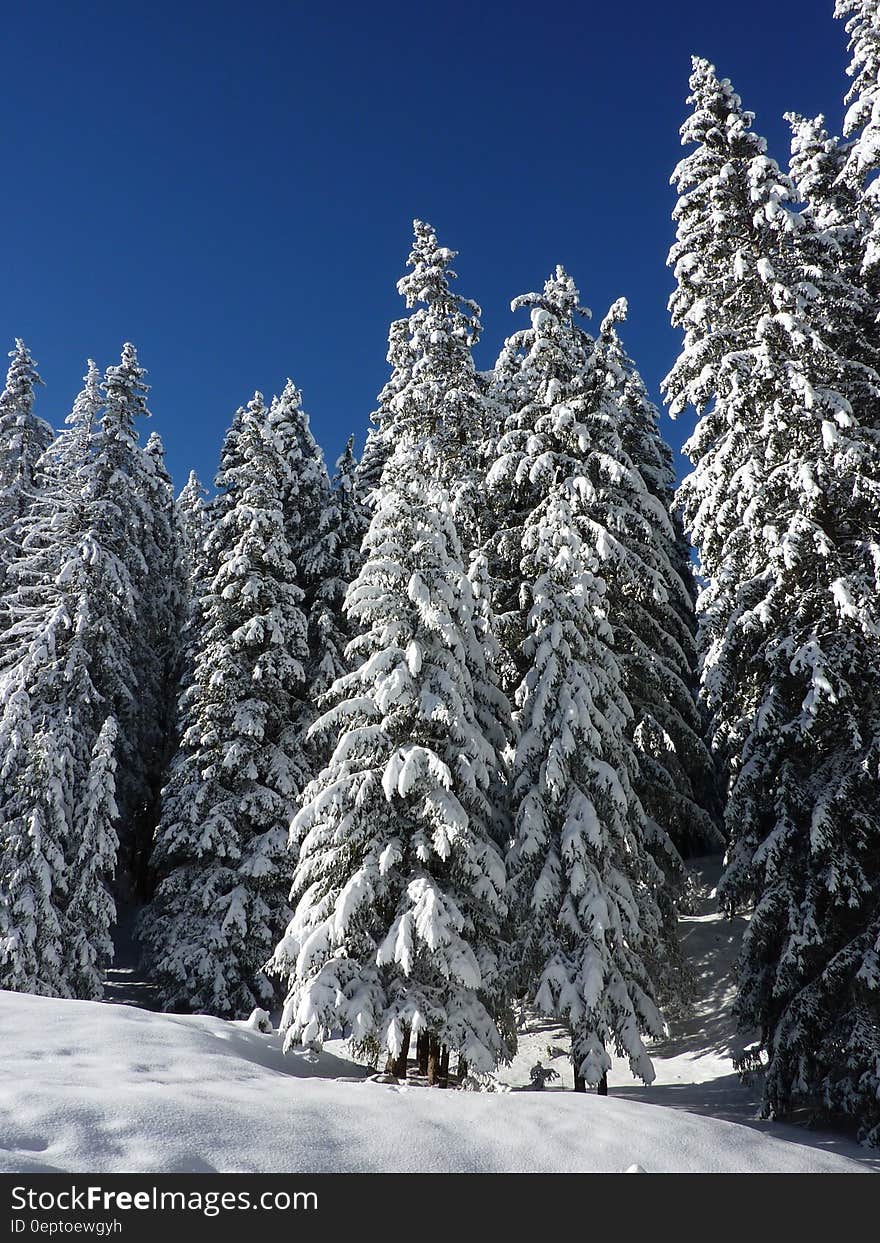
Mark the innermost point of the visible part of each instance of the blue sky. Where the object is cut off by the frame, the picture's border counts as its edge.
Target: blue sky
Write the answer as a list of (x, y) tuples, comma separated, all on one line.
[(231, 186)]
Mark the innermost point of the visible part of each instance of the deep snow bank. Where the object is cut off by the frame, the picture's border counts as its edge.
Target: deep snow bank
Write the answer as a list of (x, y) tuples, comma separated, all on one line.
[(91, 1087)]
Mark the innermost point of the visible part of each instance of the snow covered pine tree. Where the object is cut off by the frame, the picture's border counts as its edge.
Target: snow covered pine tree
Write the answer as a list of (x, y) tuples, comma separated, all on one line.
[(848, 210), (220, 851), (399, 883), (312, 516), (581, 876), (333, 562), (783, 504), (57, 737), (135, 507), (654, 626), (24, 437)]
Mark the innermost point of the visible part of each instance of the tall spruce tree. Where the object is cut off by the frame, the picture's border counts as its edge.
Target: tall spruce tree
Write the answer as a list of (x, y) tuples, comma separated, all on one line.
[(334, 565), (91, 911), (831, 243), (399, 883), (24, 437), (862, 123), (655, 628), (124, 477), (569, 501), (162, 615), (220, 851), (848, 208), (192, 528), (783, 506), (192, 522), (57, 791), (380, 436), (309, 518), (33, 871)]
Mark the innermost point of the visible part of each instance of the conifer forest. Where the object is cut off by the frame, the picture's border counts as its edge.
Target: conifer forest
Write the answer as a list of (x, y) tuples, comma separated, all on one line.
[(414, 753)]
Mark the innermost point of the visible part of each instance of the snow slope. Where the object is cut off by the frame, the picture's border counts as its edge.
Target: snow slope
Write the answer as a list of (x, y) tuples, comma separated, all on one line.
[(88, 1087), (694, 1064), (92, 1087)]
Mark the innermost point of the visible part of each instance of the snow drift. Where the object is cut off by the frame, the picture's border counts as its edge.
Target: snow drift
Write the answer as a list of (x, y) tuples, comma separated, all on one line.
[(90, 1087)]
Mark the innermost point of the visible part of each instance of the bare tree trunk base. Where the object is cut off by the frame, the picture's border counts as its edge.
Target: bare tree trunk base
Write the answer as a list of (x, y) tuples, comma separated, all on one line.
[(422, 1053), (433, 1060), (401, 1060)]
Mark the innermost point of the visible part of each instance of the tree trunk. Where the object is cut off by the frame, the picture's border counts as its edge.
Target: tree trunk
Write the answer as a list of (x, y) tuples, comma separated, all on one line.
[(433, 1059), (444, 1067), (403, 1056), (462, 1069), (580, 1084), (397, 1065), (422, 1052), (602, 1087)]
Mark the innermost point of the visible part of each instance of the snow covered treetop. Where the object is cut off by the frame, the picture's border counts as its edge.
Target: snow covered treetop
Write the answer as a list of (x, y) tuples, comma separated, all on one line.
[(92, 386), (193, 493), (126, 391), (616, 314), (23, 436), (21, 378), (128, 366), (718, 119), (155, 449), (291, 399), (429, 279), (559, 298)]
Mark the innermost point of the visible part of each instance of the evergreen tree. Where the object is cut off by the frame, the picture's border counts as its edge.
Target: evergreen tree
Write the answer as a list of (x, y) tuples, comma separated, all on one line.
[(783, 504), (579, 854), (816, 167), (162, 615), (309, 517), (192, 519), (831, 242), (434, 381), (123, 476), (721, 270), (192, 523), (221, 844), (23, 439), (192, 529), (655, 629), (91, 912), (32, 864), (399, 881), (380, 436), (335, 566), (862, 125), (847, 208), (569, 501), (57, 801), (308, 484)]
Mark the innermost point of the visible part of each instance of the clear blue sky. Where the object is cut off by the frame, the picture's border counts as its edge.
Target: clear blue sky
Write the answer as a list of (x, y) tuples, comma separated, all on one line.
[(231, 186)]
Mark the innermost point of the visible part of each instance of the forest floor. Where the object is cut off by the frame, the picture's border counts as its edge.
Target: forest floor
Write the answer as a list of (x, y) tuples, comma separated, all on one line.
[(89, 1086)]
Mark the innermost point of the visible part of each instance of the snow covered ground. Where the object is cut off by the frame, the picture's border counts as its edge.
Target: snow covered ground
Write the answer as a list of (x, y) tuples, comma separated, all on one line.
[(92, 1087)]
